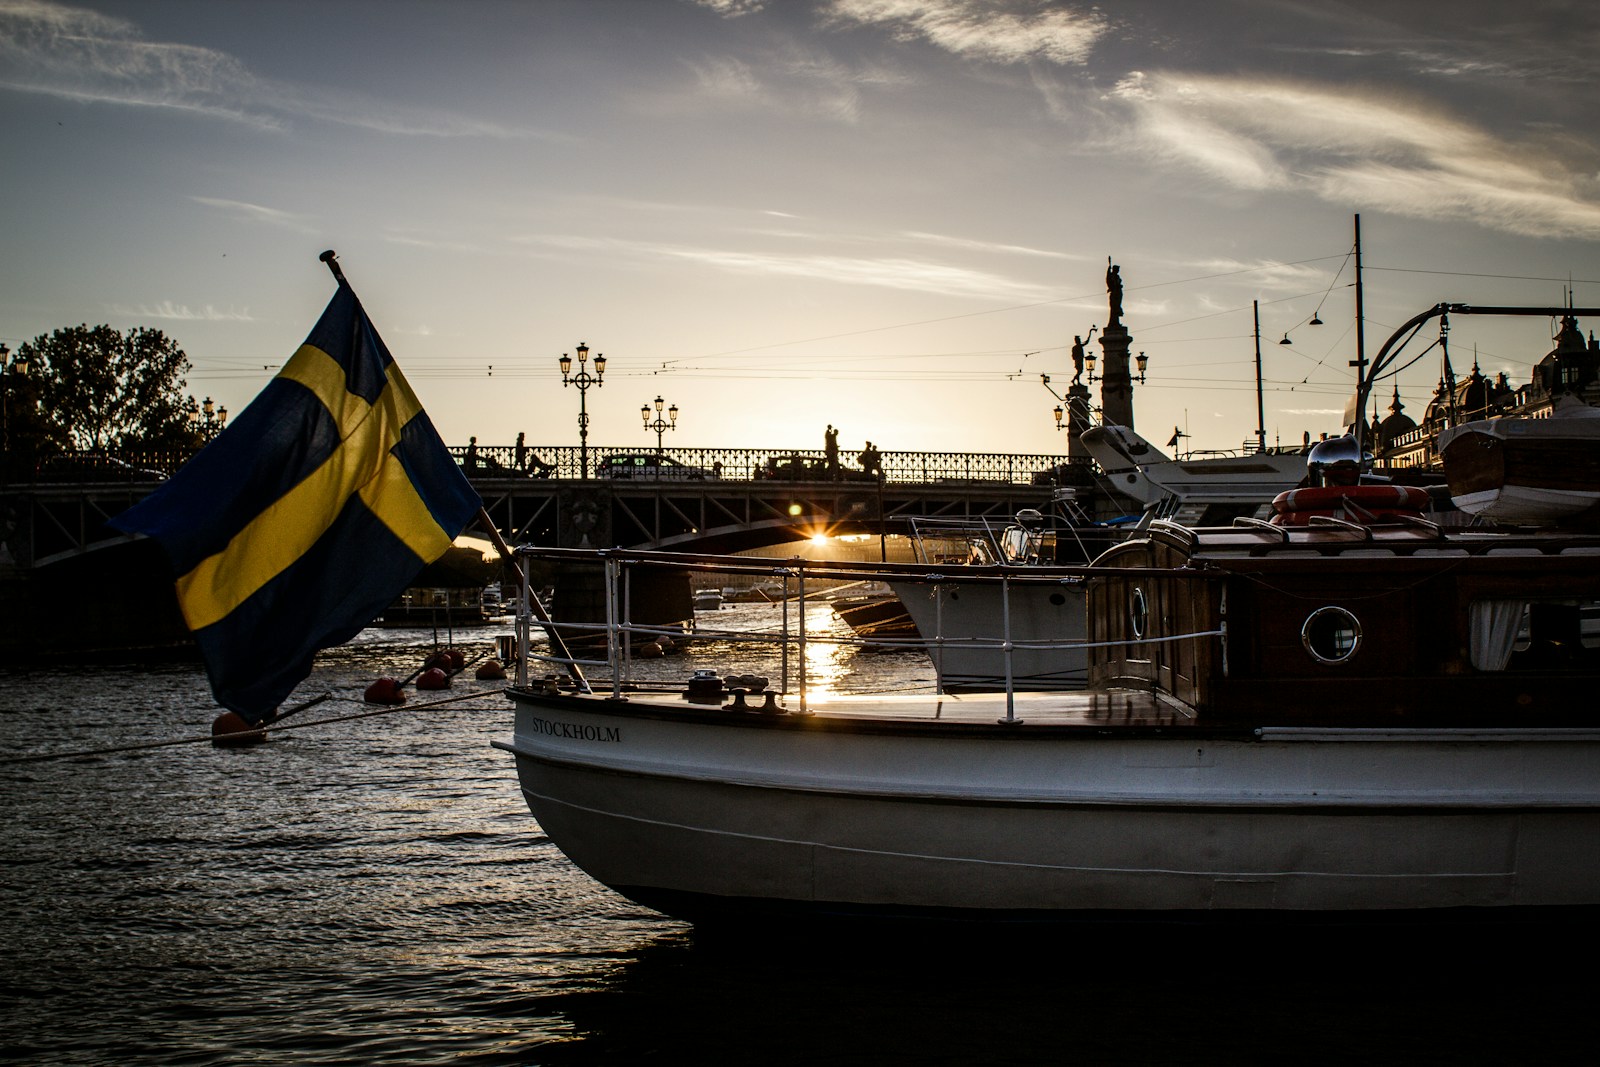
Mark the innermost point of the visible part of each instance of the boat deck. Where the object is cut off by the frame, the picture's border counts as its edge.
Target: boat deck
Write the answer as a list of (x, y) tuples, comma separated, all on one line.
[(1095, 708)]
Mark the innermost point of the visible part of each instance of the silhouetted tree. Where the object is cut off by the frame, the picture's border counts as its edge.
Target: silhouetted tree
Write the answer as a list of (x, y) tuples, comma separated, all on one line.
[(98, 387)]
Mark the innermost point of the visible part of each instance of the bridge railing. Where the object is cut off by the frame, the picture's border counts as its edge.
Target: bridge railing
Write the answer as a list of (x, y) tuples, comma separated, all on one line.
[(567, 462), (757, 464)]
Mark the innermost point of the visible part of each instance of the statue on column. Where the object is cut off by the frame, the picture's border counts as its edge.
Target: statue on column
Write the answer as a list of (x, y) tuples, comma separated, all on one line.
[(1078, 355), (1114, 287)]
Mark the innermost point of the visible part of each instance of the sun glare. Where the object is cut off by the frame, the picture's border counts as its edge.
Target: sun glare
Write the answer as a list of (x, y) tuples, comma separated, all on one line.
[(820, 540)]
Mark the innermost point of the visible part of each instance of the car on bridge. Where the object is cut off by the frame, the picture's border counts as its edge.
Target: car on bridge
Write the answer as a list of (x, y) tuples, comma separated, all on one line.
[(91, 466), (647, 466)]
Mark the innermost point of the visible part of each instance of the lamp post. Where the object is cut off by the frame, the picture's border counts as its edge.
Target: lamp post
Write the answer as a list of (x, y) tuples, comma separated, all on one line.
[(206, 419), (583, 380), (659, 425)]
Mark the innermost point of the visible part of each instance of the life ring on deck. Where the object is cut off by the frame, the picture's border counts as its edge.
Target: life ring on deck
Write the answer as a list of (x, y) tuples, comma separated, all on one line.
[(1297, 506)]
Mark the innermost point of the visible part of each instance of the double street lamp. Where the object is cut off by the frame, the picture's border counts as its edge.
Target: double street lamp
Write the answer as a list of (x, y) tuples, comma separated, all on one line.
[(659, 425), (583, 380)]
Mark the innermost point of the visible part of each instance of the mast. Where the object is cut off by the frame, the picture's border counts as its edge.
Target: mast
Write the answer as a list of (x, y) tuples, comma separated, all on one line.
[(1261, 411), (1360, 362)]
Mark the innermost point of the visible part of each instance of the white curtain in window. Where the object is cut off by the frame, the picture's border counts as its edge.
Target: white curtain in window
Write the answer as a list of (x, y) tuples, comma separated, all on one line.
[(1494, 631)]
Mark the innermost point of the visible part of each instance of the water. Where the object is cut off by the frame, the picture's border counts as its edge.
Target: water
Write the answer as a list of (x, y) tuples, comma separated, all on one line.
[(376, 891)]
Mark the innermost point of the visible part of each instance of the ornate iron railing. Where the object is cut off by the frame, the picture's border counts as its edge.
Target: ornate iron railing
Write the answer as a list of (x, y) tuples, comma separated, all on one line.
[(564, 462)]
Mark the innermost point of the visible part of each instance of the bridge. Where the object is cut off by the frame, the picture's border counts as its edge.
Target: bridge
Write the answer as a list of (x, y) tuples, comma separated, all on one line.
[(703, 500)]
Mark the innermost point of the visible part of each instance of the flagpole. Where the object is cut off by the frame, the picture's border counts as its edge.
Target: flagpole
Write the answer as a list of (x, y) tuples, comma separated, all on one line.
[(331, 258)]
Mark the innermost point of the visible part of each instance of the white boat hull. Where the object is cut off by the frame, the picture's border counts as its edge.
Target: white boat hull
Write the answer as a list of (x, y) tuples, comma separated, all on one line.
[(716, 813), (963, 627)]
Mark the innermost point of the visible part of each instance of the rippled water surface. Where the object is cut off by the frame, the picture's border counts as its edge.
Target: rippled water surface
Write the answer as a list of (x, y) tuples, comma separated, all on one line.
[(375, 890)]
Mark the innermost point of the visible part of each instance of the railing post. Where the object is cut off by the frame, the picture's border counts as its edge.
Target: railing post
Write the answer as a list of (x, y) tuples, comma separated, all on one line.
[(784, 680), (1006, 650), (801, 571), (613, 657)]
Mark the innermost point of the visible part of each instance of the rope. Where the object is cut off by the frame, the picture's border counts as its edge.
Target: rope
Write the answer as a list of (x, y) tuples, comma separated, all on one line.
[(252, 732)]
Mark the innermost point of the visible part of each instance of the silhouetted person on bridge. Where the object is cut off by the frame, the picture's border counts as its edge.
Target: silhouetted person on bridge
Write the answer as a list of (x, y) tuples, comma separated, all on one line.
[(830, 439), (871, 462), (522, 451)]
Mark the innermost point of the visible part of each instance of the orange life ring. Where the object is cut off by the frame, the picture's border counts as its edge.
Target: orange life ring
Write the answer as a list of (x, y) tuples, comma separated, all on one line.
[(1296, 506)]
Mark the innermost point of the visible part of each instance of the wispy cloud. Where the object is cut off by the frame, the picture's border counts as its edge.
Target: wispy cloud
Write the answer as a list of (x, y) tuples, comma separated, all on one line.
[(966, 244), (77, 54), (733, 8), (889, 272), (256, 213), (1385, 153), (1006, 32), (167, 310), (792, 79)]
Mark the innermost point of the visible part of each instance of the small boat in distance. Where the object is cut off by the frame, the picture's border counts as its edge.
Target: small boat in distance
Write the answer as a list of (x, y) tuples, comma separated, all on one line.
[(1526, 471)]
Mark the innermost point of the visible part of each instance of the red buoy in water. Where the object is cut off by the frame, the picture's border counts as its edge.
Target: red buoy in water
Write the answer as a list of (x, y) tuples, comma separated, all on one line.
[(439, 658), (433, 678), (491, 670), (384, 691), (458, 659), (229, 730)]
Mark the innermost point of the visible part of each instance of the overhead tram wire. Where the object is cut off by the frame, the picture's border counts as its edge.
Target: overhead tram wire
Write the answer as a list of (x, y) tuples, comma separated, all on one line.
[(425, 369)]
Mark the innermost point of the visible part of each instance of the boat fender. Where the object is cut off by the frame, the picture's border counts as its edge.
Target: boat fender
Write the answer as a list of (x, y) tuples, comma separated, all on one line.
[(491, 670), (229, 730), (433, 678), (384, 691)]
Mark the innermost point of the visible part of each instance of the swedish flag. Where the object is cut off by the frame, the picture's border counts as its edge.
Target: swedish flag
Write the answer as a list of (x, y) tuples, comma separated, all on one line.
[(308, 515)]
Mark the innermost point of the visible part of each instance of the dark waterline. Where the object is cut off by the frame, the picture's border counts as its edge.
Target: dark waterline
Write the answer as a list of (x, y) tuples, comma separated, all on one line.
[(376, 891)]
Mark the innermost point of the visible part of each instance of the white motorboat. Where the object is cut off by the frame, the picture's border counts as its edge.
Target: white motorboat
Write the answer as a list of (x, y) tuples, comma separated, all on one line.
[(1331, 720)]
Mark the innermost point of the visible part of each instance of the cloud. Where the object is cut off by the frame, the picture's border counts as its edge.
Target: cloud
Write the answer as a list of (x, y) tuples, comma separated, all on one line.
[(1350, 148), (981, 29), (77, 54), (256, 213), (733, 8), (790, 79), (182, 313), (988, 246), (890, 272)]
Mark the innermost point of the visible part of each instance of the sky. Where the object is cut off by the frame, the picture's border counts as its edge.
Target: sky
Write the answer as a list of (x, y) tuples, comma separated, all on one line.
[(891, 216)]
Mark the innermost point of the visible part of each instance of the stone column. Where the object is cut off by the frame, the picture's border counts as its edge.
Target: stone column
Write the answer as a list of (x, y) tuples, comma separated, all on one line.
[(1116, 383)]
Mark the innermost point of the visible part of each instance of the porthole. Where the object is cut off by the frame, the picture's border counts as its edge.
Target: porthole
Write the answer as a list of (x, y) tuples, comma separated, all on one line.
[(1331, 635), (1056, 599), (1138, 613)]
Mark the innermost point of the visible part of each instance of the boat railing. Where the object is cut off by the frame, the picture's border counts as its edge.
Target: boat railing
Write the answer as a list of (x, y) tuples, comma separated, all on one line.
[(612, 642)]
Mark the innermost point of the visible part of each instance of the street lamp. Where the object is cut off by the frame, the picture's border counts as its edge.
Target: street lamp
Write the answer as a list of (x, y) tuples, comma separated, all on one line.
[(659, 425), (207, 419), (583, 380)]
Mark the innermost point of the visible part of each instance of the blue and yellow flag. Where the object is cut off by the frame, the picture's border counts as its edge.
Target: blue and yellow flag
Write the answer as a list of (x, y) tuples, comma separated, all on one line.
[(308, 515)]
